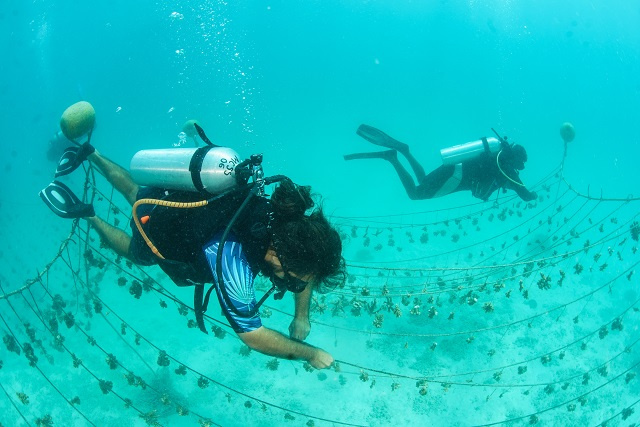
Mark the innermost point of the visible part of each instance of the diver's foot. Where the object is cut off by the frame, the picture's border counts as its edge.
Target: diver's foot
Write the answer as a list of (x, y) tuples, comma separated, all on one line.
[(72, 158), (64, 203), (389, 155), (377, 137)]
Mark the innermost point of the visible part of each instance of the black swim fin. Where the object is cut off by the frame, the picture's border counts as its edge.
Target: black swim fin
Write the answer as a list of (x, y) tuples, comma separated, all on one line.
[(386, 155), (72, 158), (61, 200), (377, 137)]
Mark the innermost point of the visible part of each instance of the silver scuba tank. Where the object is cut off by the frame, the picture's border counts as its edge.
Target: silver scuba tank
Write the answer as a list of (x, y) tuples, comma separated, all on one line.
[(463, 152), (209, 169)]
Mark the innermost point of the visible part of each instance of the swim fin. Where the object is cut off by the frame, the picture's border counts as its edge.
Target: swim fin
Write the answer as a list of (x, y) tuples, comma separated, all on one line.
[(377, 137), (72, 158), (61, 200), (386, 155)]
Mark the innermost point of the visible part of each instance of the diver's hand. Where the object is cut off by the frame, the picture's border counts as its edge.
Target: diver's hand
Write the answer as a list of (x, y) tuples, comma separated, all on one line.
[(320, 359), (299, 329)]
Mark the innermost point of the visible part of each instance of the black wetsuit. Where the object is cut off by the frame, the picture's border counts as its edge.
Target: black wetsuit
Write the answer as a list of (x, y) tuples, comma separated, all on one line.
[(480, 175)]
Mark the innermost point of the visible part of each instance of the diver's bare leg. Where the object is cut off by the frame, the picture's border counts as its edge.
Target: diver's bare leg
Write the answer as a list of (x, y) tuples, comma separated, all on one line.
[(115, 238), (116, 175)]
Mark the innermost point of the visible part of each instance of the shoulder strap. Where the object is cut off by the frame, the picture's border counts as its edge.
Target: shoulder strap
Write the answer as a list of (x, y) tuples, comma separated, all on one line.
[(485, 144)]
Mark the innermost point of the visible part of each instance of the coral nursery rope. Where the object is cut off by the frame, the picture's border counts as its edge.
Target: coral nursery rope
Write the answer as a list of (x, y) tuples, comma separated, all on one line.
[(555, 223), (14, 405), (44, 271), (150, 343), (46, 378), (558, 405), (434, 378), (104, 351)]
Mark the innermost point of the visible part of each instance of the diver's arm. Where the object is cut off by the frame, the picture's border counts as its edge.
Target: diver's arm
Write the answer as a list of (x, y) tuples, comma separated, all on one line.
[(511, 180), (250, 329), (273, 343), (525, 194), (300, 326), (521, 190)]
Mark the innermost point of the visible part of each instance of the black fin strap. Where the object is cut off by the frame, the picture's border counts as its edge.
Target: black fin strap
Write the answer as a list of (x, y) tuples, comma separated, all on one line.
[(195, 167), (197, 306)]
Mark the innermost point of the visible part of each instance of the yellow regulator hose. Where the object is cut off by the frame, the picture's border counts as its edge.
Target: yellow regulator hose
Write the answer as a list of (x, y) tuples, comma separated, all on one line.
[(158, 202)]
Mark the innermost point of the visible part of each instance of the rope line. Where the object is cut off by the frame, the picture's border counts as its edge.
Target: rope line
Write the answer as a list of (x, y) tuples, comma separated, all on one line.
[(557, 223)]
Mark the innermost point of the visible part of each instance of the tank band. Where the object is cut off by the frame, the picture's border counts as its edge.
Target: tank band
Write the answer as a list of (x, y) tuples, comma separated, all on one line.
[(195, 167), (485, 144)]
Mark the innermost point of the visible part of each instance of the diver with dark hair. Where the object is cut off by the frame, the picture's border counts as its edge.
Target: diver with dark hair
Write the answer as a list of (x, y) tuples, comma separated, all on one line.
[(481, 166), (174, 229)]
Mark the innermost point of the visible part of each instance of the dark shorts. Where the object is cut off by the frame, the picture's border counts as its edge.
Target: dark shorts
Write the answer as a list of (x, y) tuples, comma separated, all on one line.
[(139, 251), (440, 181)]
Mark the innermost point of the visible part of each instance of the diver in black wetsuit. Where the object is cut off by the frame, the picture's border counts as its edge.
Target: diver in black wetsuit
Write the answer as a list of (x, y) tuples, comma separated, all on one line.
[(493, 166)]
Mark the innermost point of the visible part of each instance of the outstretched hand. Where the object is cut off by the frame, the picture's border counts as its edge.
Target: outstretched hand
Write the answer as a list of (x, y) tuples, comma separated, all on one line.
[(299, 329), (321, 359)]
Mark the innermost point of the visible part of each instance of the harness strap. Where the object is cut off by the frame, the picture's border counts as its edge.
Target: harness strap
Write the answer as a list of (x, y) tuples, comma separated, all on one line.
[(195, 167), (200, 304), (197, 306), (205, 304), (485, 144)]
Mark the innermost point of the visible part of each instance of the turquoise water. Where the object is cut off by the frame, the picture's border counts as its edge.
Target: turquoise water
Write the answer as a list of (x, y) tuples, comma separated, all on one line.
[(293, 80)]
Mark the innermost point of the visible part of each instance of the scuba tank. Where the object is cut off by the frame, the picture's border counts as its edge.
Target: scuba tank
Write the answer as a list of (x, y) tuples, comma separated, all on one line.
[(463, 152), (209, 169)]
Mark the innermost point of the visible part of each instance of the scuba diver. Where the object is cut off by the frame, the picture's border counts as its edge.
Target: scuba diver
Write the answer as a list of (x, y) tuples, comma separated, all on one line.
[(482, 166), (174, 228), (58, 143)]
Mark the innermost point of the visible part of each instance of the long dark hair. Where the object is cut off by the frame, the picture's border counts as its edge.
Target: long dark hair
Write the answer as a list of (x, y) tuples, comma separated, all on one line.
[(306, 243)]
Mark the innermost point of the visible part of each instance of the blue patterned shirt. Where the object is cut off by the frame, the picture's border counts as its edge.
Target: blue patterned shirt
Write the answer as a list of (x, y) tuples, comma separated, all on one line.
[(238, 282)]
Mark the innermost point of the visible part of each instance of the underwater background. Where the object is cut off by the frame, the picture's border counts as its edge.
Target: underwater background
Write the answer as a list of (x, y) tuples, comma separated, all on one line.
[(456, 312)]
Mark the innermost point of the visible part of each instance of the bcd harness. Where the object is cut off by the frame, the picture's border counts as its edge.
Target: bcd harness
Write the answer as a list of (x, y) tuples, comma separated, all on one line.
[(484, 190)]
